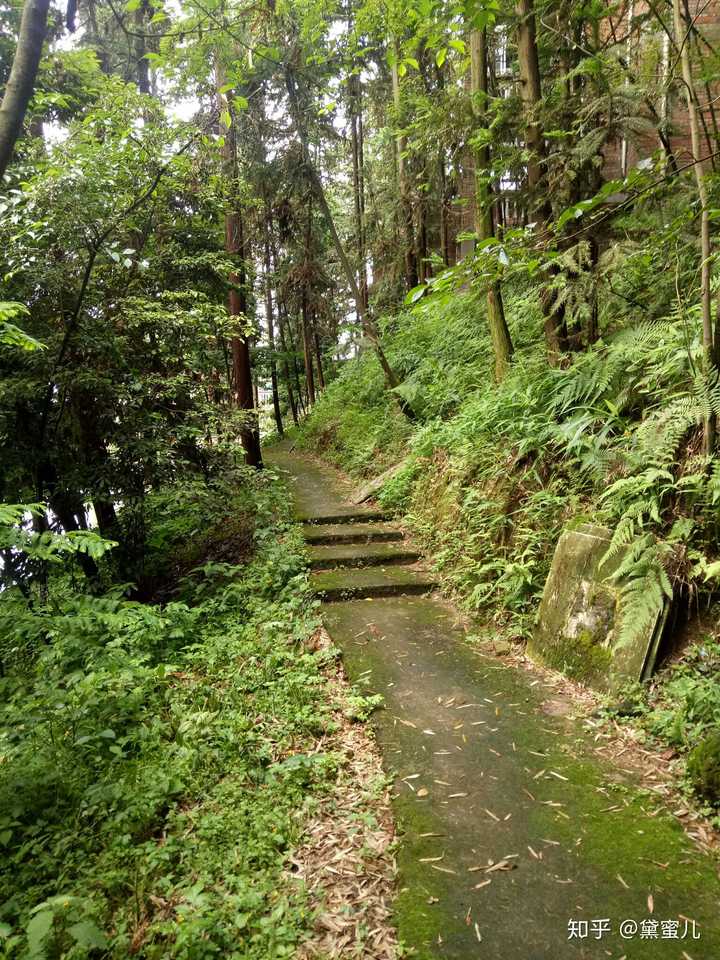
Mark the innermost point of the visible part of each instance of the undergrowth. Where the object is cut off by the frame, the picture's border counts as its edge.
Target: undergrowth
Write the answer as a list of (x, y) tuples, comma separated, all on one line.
[(156, 761), (490, 473)]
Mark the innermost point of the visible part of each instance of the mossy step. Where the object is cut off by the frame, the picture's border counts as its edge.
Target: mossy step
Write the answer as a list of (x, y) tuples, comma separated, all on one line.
[(366, 582), (330, 555), (351, 515), (328, 533)]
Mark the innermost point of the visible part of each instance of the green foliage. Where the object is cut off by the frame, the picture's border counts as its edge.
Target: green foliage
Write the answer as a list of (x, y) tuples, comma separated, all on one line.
[(493, 471), (704, 768), (157, 760), (688, 702)]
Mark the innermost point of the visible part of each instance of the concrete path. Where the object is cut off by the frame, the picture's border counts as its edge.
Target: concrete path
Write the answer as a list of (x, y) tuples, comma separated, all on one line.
[(516, 843)]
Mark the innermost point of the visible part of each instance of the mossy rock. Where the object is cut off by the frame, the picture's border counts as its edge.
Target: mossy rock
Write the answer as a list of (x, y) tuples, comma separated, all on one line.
[(704, 768)]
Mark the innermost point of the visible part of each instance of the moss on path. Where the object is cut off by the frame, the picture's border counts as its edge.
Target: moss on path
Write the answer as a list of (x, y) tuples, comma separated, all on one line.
[(484, 777)]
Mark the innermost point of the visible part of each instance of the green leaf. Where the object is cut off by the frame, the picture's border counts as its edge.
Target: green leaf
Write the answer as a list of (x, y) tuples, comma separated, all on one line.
[(413, 62), (226, 87), (86, 934), (37, 932), (132, 5), (415, 294), (226, 119), (241, 103), (458, 45), (441, 56)]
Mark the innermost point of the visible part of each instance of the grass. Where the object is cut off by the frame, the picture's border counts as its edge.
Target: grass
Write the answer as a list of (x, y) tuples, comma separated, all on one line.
[(158, 761)]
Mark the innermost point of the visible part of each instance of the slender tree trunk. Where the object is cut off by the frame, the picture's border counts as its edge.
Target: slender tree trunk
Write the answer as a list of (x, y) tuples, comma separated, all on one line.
[(281, 315), (318, 354), (406, 210), (21, 81), (307, 349), (358, 168), (235, 245), (305, 309), (541, 211), (271, 326), (710, 360), (368, 323), (142, 67), (484, 216)]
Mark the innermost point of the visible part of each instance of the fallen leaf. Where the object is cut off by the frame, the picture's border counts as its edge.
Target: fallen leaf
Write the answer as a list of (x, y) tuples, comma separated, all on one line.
[(622, 882), (650, 903), (422, 792)]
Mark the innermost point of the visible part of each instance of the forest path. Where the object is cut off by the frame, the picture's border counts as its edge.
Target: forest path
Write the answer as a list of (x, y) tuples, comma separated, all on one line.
[(510, 826)]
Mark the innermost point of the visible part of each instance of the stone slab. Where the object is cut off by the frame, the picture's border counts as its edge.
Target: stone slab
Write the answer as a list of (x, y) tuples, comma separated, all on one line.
[(578, 624), (360, 554), (369, 489)]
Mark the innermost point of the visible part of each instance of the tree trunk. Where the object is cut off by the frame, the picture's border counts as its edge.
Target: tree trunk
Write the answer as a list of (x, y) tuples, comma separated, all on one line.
[(358, 168), (540, 208), (142, 67), (21, 81), (710, 360), (281, 315), (484, 217), (307, 349), (237, 302), (318, 355), (406, 211), (271, 327), (368, 323)]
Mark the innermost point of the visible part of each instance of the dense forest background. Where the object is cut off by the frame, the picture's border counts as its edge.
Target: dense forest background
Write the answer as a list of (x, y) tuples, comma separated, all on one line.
[(476, 238)]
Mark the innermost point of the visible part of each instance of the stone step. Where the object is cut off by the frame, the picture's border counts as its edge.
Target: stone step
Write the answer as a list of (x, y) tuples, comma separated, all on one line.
[(351, 515), (330, 555), (328, 533), (366, 582)]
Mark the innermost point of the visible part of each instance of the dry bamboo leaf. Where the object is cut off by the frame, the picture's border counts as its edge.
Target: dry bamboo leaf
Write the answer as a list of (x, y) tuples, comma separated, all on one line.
[(554, 773), (483, 883), (453, 796), (477, 933), (491, 814), (431, 859), (622, 881), (650, 903), (443, 869)]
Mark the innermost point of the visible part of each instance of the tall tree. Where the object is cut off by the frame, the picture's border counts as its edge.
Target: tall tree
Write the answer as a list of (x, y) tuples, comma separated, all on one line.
[(484, 209), (21, 81), (541, 210)]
